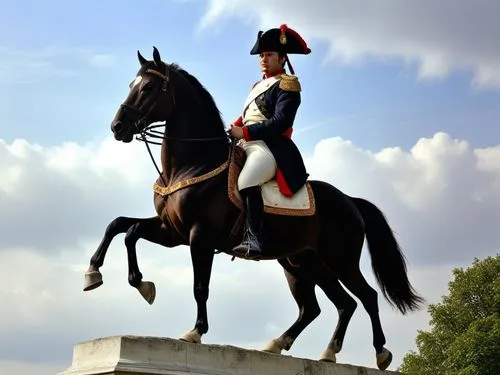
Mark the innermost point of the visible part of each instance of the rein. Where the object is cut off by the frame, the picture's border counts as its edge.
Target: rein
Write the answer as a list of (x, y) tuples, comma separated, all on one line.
[(150, 131), (164, 191)]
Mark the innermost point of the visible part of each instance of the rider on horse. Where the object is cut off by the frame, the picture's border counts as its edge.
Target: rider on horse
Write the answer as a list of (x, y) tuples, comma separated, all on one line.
[(265, 128)]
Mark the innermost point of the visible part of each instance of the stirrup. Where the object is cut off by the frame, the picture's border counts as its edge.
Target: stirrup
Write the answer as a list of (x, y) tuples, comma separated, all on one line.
[(253, 254), (254, 247), (246, 248)]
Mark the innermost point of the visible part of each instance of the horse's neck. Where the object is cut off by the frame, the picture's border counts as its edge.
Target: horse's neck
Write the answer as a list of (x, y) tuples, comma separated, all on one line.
[(184, 158)]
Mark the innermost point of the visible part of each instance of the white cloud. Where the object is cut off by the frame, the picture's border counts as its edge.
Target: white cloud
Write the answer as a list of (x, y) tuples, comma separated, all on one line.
[(440, 188), (439, 37), (441, 197), (52, 196)]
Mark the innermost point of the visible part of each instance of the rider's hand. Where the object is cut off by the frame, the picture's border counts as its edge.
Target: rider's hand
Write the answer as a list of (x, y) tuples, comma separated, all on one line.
[(236, 132)]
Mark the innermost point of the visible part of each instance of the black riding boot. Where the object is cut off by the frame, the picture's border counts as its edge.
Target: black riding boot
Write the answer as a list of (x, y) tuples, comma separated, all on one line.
[(251, 245)]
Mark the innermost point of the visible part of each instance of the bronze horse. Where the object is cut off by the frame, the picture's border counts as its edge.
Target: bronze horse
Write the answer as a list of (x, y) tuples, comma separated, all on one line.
[(321, 249)]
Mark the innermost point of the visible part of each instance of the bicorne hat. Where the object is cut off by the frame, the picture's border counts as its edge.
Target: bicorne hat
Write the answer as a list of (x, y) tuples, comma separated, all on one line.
[(282, 39)]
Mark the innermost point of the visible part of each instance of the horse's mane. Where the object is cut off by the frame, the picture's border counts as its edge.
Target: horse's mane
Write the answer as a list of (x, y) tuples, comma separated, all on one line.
[(207, 98)]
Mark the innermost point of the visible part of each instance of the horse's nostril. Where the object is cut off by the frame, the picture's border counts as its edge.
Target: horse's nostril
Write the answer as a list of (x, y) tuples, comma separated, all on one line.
[(117, 127)]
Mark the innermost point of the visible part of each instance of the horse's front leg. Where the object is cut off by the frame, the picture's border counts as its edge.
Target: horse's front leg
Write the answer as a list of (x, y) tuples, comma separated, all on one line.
[(202, 256), (93, 277), (152, 230)]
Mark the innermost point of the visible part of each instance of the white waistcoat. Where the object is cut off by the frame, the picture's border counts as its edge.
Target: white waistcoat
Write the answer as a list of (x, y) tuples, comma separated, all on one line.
[(251, 112)]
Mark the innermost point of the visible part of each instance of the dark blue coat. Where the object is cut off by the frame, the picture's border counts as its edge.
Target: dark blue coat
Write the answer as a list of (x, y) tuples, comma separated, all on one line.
[(280, 106)]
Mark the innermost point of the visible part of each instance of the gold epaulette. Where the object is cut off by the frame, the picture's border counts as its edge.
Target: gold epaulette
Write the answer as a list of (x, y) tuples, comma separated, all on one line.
[(289, 83)]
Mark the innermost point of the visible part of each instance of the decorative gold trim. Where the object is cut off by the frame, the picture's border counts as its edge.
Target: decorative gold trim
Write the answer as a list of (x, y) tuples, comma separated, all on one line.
[(290, 83), (162, 190)]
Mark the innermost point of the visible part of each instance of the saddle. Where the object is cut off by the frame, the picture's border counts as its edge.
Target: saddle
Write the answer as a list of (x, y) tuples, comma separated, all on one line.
[(302, 203)]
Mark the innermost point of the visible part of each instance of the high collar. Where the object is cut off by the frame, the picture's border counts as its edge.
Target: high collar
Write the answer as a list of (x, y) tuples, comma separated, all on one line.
[(273, 74)]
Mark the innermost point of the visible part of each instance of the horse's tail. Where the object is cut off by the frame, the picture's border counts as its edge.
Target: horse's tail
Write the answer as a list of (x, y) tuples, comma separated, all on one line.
[(388, 262)]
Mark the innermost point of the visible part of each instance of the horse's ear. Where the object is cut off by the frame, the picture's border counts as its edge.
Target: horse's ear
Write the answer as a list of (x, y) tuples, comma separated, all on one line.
[(141, 58), (156, 57)]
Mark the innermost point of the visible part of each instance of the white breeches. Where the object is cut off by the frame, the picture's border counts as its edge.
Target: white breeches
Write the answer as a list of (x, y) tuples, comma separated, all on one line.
[(259, 167)]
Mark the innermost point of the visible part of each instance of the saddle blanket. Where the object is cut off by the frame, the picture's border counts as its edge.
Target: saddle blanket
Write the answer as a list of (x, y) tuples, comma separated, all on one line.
[(302, 203)]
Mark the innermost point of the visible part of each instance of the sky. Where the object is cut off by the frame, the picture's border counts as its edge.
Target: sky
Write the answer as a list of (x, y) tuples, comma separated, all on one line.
[(400, 106)]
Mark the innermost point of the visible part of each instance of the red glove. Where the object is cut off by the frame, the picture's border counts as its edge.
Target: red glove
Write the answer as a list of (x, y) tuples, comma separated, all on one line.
[(238, 122)]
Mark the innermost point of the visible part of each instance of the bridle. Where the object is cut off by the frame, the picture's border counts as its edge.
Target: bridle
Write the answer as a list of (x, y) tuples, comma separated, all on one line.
[(144, 120), (149, 128)]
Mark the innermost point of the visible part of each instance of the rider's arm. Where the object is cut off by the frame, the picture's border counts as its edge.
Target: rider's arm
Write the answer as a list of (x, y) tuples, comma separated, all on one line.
[(287, 104)]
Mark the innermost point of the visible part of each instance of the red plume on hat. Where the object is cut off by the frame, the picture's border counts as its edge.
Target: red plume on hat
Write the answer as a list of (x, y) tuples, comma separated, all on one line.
[(284, 29)]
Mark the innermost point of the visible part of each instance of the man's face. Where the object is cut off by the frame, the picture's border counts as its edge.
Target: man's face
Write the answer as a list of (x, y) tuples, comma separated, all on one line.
[(270, 62)]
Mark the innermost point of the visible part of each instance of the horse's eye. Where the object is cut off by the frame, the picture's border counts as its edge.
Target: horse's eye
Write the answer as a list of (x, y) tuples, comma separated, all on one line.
[(147, 86)]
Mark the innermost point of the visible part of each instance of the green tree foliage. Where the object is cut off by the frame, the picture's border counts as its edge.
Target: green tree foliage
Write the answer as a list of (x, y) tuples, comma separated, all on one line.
[(465, 327)]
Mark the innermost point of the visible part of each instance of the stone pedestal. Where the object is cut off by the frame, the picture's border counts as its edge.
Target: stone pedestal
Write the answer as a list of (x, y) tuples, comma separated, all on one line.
[(125, 355)]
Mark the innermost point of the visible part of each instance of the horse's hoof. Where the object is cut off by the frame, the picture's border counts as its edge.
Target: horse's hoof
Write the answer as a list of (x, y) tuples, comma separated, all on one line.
[(328, 356), (384, 359), (191, 336), (93, 279), (273, 347), (148, 291)]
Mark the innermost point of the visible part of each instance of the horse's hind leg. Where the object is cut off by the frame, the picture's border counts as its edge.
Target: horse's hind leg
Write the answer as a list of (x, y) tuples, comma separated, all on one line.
[(356, 283), (341, 252), (301, 282), (93, 277), (345, 305), (153, 230)]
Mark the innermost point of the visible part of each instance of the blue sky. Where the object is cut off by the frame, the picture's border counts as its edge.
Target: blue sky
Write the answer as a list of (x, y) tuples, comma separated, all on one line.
[(375, 103), (412, 90)]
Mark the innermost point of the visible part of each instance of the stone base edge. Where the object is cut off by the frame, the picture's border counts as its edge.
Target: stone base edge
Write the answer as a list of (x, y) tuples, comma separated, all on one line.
[(125, 355)]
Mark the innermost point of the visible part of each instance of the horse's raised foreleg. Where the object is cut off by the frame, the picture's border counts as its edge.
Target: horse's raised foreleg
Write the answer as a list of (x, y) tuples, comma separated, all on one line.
[(152, 230), (301, 283), (202, 257), (93, 277)]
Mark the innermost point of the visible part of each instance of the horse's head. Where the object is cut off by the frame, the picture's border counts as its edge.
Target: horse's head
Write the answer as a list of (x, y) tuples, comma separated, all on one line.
[(149, 99)]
